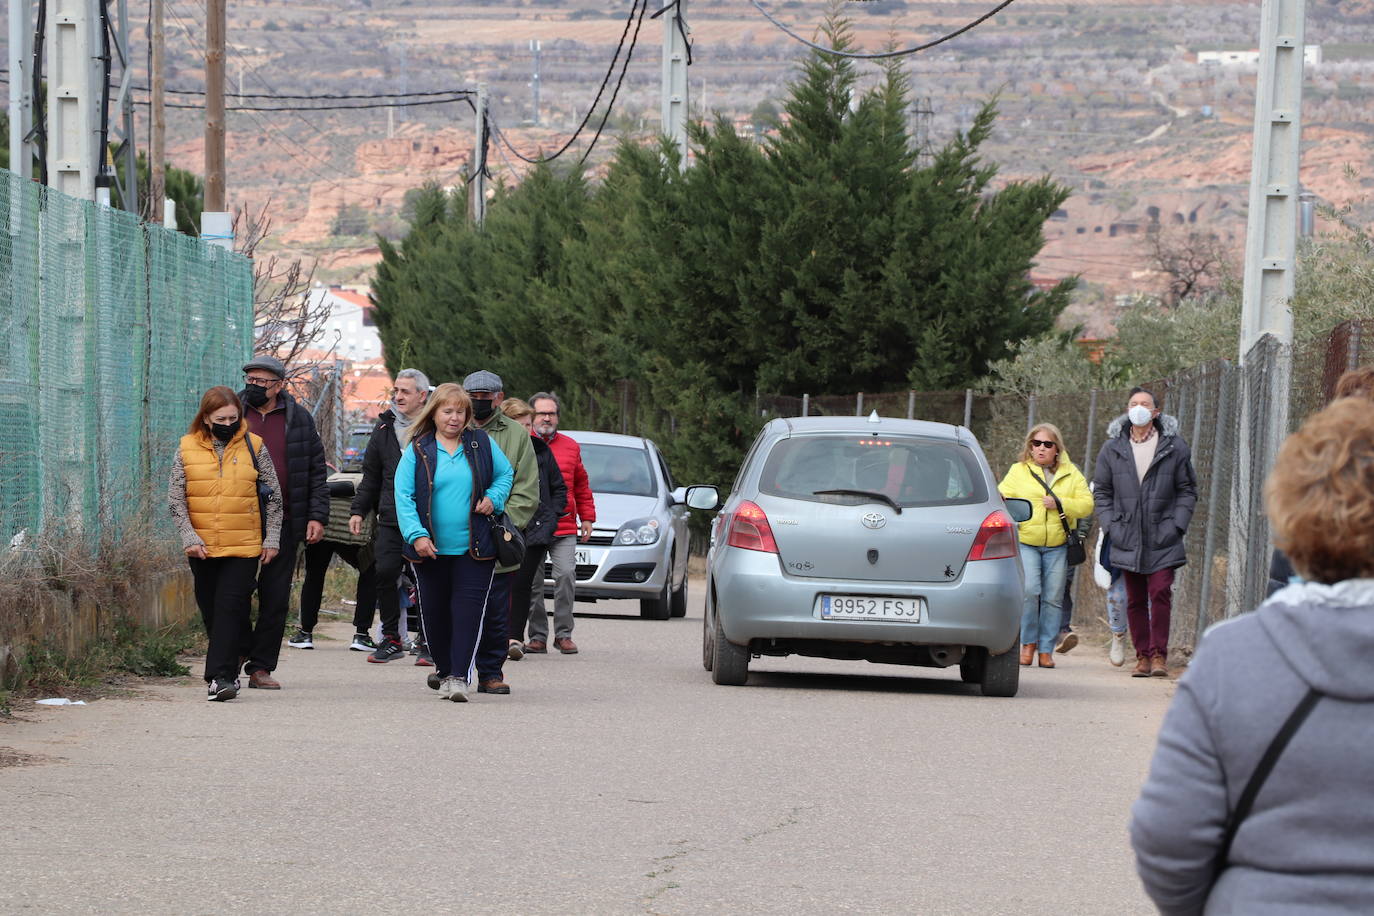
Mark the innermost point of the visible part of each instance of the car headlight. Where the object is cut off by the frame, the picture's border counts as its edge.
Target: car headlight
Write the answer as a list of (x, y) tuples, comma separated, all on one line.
[(639, 531)]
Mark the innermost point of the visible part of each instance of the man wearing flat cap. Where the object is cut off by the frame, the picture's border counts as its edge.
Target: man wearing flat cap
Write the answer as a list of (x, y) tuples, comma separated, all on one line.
[(487, 392), (288, 433)]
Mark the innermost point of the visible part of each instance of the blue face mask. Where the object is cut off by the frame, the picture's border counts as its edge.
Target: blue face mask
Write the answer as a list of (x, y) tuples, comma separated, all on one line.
[(1139, 415)]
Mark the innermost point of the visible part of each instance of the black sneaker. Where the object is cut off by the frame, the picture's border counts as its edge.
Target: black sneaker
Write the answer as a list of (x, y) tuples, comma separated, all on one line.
[(362, 643), (422, 658), (300, 640), (434, 680), (390, 650), (219, 691)]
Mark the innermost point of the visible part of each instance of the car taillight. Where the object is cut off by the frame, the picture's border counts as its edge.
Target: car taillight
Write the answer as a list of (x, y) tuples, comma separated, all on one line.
[(996, 538), (749, 529)]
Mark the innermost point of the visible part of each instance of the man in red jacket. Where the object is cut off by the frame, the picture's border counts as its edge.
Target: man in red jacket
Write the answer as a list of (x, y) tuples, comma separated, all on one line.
[(575, 525)]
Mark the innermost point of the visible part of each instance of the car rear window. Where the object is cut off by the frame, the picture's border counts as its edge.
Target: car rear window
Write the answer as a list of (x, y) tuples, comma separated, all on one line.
[(617, 469), (908, 470)]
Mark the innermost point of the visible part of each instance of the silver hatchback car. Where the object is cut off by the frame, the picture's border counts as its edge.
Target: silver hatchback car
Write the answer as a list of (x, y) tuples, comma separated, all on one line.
[(876, 539), (639, 543)]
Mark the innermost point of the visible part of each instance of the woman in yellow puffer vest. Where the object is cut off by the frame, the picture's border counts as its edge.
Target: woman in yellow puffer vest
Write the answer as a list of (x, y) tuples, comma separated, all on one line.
[(213, 494), (1044, 548)]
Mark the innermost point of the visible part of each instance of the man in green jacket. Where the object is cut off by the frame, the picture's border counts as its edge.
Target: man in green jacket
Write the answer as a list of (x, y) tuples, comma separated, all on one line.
[(486, 390)]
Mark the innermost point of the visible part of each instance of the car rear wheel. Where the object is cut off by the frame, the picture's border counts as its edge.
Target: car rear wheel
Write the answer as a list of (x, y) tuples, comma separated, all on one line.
[(729, 662), (660, 607), (678, 602), (708, 651), (1001, 675)]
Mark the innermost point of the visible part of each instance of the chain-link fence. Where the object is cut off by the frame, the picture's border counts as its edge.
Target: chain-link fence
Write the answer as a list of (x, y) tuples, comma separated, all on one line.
[(112, 329), (1234, 417)]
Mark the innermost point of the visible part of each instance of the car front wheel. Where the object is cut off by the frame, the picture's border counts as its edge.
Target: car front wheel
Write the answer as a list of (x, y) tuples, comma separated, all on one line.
[(678, 602), (660, 607)]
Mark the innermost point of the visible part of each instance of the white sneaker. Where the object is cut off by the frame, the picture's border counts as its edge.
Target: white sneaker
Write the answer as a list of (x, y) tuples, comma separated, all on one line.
[(457, 689), (446, 687), (1117, 653)]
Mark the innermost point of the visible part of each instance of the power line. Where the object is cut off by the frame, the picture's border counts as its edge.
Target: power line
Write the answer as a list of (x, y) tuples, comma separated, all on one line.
[(605, 81), (883, 54), (465, 97), (629, 53)]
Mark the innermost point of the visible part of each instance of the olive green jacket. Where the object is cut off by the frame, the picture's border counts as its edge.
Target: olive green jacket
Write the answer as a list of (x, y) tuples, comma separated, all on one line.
[(514, 443)]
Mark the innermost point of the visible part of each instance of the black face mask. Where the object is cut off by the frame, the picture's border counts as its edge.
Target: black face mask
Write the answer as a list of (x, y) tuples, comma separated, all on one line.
[(481, 409), (255, 395), (223, 431)]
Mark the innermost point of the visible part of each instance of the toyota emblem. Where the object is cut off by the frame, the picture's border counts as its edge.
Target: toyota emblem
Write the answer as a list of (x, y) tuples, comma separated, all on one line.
[(874, 520)]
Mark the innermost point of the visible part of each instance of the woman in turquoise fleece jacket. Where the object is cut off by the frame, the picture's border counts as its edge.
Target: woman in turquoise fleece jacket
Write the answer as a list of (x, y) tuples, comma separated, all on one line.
[(436, 509)]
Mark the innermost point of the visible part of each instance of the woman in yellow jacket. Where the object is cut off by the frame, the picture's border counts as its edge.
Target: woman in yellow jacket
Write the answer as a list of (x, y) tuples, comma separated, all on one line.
[(213, 494), (1044, 548)]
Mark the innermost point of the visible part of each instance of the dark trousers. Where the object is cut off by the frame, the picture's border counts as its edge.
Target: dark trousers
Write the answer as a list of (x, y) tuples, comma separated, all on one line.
[(453, 602), (224, 593), (317, 557), (1066, 609), (261, 641), (530, 572), (387, 561), (491, 651), (1149, 599)]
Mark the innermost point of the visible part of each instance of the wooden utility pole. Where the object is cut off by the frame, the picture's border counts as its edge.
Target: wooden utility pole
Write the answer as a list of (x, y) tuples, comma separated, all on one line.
[(157, 151), (214, 106)]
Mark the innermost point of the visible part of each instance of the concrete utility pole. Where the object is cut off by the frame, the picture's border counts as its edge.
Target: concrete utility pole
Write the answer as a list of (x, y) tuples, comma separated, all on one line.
[(124, 102), (1270, 264), (675, 88), (216, 226), (477, 183), (537, 47), (21, 87), (157, 141), (70, 48)]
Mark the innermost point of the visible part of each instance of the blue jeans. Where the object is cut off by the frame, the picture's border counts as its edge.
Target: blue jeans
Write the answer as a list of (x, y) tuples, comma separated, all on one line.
[(1116, 604), (1046, 568)]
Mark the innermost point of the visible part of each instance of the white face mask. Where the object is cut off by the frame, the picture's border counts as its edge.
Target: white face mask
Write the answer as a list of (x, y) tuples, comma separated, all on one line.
[(1139, 415)]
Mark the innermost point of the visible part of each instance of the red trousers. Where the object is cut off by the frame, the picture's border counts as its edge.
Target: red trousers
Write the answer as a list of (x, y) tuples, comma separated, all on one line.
[(1149, 600)]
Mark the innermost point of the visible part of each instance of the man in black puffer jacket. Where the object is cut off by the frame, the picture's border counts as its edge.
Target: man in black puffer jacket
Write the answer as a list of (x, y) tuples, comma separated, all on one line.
[(377, 493), (1144, 491), (288, 433)]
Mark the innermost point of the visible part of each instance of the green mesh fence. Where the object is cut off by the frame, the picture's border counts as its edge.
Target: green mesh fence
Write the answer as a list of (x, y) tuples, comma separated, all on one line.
[(111, 331)]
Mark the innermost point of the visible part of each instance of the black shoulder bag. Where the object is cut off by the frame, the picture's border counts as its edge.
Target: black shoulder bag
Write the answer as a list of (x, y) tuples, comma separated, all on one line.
[(264, 491), (1077, 554), (508, 542), (1257, 778)]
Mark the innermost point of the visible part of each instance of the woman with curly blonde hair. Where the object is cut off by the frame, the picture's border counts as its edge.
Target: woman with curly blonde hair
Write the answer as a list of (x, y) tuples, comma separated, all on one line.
[(1054, 486), (1290, 685)]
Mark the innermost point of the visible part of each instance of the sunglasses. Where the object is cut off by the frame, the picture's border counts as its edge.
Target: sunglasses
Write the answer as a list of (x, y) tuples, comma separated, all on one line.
[(1043, 443)]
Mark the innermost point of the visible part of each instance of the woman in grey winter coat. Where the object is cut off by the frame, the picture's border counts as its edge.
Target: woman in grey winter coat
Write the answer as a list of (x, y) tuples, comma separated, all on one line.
[(1307, 844)]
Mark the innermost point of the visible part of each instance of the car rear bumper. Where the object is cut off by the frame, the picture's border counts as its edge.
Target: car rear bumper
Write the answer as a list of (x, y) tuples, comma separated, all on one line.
[(755, 599)]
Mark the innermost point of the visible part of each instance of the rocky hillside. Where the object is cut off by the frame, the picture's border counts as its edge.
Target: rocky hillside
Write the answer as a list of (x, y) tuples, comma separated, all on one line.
[(1110, 98)]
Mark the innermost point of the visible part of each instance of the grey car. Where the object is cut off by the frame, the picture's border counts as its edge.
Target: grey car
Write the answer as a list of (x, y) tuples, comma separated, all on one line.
[(639, 542), (877, 539)]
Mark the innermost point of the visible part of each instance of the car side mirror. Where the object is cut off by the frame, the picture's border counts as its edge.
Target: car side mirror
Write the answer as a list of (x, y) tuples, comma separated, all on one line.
[(706, 497), (1020, 509)]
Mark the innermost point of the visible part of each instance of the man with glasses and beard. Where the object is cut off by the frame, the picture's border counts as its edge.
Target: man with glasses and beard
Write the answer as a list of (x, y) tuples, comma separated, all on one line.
[(377, 492), (288, 433), (575, 525)]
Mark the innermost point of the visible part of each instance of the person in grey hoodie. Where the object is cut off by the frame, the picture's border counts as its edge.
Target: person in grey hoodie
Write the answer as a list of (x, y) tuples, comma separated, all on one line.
[(1307, 845), (1144, 492)]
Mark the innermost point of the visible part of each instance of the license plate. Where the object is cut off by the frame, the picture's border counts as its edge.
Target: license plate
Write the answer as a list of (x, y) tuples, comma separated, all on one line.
[(863, 607), (585, 556)]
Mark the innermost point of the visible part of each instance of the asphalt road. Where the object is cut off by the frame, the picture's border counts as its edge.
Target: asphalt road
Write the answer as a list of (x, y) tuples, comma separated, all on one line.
[(619, 780)]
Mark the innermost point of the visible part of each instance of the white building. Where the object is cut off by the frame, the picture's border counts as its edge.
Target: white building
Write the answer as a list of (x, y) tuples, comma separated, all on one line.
[(1311, 56), (350, 330)]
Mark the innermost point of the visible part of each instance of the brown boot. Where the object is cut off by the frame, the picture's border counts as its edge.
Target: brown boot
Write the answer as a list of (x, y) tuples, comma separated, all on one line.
[(1142, 666), (1046, 660), (1158, 668), (262, 680), (1027, 653)]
